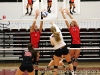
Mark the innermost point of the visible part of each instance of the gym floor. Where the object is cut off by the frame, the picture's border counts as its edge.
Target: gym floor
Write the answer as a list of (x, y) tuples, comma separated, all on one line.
[(93, 66)]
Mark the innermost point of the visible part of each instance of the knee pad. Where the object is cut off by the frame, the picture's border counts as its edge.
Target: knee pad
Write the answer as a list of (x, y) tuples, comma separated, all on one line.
[(75, 60), (69, 62), (55, 67)]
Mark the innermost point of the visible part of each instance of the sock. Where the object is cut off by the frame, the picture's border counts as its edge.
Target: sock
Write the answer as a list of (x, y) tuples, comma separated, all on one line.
[(31, 11), (74, 67), (27, 10), (36, 72), (73, 8), (48, 8)]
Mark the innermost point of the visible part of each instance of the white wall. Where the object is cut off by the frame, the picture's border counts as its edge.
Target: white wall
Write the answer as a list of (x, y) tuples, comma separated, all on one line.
[(15, 11)]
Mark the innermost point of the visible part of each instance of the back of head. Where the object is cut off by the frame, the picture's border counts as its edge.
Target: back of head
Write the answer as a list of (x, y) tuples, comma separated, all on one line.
[(57, 36), (30, 48), (53, 29)]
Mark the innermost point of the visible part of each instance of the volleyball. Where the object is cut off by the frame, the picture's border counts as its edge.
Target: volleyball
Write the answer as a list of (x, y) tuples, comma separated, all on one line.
[(44, 14)]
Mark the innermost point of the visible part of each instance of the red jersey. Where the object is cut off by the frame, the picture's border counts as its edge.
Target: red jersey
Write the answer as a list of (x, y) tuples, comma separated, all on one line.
[(75, 34), (49, 0), (72, 0), (35, 38), (29, 1)]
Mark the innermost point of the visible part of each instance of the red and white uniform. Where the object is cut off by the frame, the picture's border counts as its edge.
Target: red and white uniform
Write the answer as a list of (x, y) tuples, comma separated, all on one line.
[(35, 38), (75, 34)]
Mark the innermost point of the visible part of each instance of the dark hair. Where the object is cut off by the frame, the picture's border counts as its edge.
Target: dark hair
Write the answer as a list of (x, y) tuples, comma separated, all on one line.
[(30, 48)]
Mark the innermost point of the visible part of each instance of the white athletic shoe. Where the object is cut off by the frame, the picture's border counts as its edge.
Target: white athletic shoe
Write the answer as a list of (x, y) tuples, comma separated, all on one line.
[(75, 73), (71, 73)]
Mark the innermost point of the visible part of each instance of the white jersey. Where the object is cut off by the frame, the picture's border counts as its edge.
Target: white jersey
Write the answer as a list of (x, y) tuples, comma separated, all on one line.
[(56, 44)]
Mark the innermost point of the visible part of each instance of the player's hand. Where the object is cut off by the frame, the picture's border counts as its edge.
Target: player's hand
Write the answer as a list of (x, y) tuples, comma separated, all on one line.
[(37, 12), (61, 10), (66, 10)]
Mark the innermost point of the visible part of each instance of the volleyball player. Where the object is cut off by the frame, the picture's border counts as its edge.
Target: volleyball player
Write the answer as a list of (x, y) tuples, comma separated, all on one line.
[(35, 33), (60, 48), (72, 6), (49, 2), (29, 4), (29, 58), (75, 35), (51, 63)]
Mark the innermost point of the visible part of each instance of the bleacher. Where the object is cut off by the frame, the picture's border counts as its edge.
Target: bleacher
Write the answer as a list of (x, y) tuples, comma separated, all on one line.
[(19, 38)]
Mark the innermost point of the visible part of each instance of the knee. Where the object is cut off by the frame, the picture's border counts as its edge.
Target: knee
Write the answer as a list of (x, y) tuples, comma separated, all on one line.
[(69, 62), (75, 60)]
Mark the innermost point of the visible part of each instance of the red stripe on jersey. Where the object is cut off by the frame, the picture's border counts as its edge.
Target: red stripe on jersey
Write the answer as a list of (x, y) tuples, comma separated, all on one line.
[(27, 54), (35, 38), (75, 33)]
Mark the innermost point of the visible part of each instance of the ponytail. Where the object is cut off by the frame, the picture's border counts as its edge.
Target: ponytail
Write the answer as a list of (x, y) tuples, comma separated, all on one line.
[(57, 36), (30, 48)]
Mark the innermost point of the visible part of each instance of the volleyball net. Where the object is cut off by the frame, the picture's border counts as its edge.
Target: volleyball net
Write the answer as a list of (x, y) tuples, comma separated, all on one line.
[(26, 23)]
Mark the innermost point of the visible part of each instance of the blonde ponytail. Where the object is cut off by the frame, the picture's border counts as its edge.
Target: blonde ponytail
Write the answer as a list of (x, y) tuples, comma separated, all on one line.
[(57, 36)]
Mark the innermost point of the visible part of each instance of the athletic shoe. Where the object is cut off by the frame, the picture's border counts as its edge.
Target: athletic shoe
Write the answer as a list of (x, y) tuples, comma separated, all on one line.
[(75, 73), (26, 13), (30, 13), (71, 13), (65, 73), (71, 73), (74, 12)]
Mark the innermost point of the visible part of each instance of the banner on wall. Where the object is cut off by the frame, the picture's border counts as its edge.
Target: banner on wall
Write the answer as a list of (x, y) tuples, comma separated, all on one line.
[(70, 4), (29, 7), (51, 7)]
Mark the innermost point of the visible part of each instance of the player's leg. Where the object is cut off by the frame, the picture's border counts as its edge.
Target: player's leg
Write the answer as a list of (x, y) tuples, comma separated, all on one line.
[(75, 62), (19, 72), (73, 10), (27, 6)]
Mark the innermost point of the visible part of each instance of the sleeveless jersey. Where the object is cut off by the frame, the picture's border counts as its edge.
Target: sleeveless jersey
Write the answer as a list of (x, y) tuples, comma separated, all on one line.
[(35, 38), (29, 58), (75, 34), (29, 1)]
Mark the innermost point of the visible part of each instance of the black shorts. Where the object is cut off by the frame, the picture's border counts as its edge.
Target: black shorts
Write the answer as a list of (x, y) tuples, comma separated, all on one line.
[(75, 46), (70, 2), (61, 51), (29, 68)]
